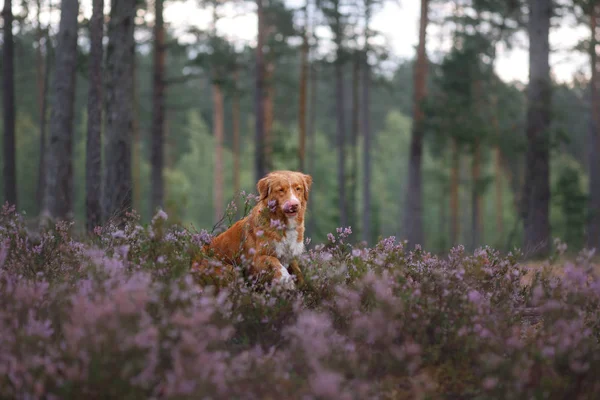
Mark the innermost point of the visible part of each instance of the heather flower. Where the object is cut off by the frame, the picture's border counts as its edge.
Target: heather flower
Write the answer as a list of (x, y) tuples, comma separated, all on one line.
[(277, 224), (202, 238), (119, 235), (161, 215), (272, 204), (331, 238)]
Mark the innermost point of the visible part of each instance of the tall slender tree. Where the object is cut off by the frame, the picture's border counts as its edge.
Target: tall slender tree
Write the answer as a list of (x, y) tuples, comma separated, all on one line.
[(8, 98), (413, 212), (260, 167), (303, 91), (333, 10), (366, 127), (117, 190), (537, 177), (59, 170), (41, 178), (357, 60), (593, 228), (235, 117), (93, 161), (218, 133), (158, 108)]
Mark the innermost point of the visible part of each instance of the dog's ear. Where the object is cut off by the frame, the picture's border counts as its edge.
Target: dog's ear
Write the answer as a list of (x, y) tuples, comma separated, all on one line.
[(307, 179), (264, 187)]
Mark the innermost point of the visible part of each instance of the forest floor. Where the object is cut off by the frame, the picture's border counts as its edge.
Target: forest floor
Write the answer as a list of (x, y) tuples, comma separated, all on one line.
[(120, 315)]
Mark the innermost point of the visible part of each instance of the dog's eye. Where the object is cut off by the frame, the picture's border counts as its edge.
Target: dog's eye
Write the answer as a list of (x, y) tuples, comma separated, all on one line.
[(298, 188), (281, 190)]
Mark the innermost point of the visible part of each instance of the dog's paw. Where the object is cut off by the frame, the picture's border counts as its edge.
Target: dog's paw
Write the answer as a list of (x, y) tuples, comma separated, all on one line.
[(286, 280)]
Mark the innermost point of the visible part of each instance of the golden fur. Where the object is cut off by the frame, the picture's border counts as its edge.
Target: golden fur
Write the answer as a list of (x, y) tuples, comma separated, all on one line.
[(270, 238)]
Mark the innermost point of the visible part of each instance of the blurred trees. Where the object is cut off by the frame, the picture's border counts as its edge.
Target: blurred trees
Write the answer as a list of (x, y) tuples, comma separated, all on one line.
[(536, 196), (158, 106), (117, 188), (413, 214), (9, 167), (59, 162), (325, 97), (93, 160)]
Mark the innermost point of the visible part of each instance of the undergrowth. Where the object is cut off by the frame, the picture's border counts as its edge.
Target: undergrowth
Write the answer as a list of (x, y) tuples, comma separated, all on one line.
[(119, 315)]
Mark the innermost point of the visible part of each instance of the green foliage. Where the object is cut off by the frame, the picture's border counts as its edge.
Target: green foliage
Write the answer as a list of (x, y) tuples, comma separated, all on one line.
[(569, 202)]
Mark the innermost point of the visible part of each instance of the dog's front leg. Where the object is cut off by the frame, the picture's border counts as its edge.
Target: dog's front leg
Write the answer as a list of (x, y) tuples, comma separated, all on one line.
[(294, 269), (270, 268)]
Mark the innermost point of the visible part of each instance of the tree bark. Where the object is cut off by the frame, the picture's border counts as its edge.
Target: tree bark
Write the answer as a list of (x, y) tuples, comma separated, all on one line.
[(340, 121), (498, 172), (354, 133), (93, 162), (259, 107), (136, 150), (235, 116), (39, 60), (8, 98), (312, 148), (537, 181), (413, 212), (119, 100), (59, 171), (302, 100), (593, 228), (366, 128), (41, 182), (454, 185), (218, 136), (269, 114), (476, 232), (158, 109)]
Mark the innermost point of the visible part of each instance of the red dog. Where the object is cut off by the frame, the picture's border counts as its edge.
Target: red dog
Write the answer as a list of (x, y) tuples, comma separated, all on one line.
[(271, 237)]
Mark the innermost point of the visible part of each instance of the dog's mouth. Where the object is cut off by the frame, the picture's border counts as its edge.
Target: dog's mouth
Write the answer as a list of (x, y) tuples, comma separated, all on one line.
[(291, 213)]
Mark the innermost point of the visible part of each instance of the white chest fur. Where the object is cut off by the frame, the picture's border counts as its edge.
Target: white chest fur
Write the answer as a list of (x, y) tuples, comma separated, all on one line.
[(289, 247)]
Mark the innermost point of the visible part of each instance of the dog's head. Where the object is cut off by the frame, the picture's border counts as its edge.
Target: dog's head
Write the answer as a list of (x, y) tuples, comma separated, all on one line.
[(285, 192)]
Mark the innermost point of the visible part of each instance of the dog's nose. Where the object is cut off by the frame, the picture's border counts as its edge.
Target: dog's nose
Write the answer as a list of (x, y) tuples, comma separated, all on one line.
[(291, 206)]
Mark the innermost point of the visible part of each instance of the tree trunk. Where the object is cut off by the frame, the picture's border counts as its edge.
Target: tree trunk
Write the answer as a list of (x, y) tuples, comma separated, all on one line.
[(498, 172), (366, 128), (537, 181), (93, 161), (235, 116), (312, 148), (59, 167), (303, 87), (413, 212), (158, 109), (476, 232), (340, 123), (41, 183), (354, 132), (119, 100), (39, 61), (136, 150), (269, 114), (8, 98), (259, 157), (218, 136), (593, 228), (454, 185)]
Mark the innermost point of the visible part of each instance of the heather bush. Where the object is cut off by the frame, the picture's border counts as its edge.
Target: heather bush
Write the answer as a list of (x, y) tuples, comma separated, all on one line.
[(119, 315)]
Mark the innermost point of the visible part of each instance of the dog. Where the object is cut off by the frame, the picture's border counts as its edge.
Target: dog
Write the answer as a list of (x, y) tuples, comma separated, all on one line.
[(270, 239)]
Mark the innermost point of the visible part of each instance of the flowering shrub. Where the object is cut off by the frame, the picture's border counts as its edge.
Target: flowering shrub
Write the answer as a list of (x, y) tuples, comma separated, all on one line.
[(119, 315)]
